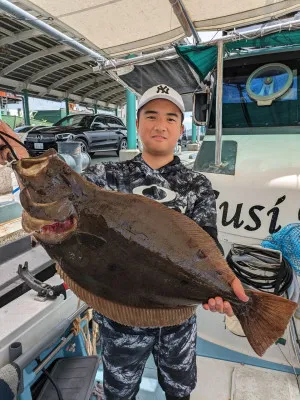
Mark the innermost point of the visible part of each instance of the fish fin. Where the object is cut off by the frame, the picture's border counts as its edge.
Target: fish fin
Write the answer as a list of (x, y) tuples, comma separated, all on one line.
[(265, 319)]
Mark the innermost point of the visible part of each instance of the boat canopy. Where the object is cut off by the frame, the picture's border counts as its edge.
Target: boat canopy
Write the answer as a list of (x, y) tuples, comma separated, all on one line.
[(118, 27), (204, 58), (58, 49)]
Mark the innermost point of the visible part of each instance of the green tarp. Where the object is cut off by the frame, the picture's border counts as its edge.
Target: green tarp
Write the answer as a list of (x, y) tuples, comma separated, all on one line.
[(204, 58)]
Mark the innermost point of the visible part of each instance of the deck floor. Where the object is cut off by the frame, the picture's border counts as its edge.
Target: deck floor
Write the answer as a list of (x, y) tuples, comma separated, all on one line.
[(209, 372), (214, 381)]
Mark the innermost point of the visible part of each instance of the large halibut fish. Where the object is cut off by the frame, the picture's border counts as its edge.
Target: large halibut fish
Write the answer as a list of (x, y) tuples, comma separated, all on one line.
[(133, 251)]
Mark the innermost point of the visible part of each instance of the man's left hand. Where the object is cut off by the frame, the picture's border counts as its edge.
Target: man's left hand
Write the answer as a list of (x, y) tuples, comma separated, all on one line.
[(218, 305)]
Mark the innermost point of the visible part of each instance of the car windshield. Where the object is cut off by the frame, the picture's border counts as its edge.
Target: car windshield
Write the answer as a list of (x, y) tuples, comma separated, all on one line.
[(80, 121), (23, 129)]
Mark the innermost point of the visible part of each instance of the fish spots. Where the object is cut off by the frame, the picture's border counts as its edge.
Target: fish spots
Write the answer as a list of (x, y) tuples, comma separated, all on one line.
[(41, 192), (192, 243), (126, 225), (50, 172), (90, 241), (112, 267), (67, 170), (201, 255)]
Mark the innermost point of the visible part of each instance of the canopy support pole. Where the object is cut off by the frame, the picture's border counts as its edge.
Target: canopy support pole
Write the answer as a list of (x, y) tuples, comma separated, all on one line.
[(26, 107), (184, 19), (67, 106), (219, 105), (194, 133), (130, 119)]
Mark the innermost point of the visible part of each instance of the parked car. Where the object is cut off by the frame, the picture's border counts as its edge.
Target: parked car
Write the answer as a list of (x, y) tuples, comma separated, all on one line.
[(27, 128), (23, 130), (98, 132)]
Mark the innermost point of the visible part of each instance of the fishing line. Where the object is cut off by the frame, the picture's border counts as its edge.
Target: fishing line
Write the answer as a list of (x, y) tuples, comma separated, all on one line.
[(8, 145)]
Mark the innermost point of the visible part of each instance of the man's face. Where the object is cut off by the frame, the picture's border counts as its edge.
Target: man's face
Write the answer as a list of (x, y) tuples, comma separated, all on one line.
[(159, 126)]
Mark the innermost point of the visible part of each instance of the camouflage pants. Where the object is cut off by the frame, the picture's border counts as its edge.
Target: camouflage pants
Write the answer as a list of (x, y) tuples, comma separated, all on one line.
[(125, 351)]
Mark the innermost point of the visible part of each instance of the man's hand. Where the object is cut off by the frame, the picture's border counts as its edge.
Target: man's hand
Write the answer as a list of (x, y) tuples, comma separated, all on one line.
[(5, 153), (218, 305)]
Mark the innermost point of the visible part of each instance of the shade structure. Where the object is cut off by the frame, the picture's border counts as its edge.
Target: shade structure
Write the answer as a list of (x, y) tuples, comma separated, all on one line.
[(119, 27)]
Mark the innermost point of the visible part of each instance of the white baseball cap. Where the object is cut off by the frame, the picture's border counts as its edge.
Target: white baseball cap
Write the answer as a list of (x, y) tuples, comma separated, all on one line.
[(162, 92)]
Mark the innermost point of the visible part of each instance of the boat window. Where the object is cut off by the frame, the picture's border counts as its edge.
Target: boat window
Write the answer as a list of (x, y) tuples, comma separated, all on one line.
[(205, 160), (260, 95)]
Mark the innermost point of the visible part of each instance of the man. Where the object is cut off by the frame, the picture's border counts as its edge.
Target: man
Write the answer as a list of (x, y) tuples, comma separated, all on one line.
[(158, 174)]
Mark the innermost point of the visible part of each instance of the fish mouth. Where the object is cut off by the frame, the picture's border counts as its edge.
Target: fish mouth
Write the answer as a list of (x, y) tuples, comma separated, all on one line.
[(52, 232)]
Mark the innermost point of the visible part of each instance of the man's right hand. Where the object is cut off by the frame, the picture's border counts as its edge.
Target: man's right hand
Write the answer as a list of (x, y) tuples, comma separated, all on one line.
[(5, 154)]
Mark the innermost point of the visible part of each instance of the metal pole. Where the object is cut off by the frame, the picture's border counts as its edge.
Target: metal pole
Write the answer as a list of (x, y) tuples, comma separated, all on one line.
[(130, 119), (67, 106), (194, 133), (53, 352), (95, 109), (219, 105), (108, 65), (190, 23), (10, 8), (26, 107), (198, 133)]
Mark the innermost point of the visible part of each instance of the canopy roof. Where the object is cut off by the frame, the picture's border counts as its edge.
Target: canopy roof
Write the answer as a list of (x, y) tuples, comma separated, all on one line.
[(29, 59), (54, 68), (125, 26)]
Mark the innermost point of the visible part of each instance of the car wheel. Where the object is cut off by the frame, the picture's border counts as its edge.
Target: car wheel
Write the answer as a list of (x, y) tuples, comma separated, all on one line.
[(84, 147), (122, 145)]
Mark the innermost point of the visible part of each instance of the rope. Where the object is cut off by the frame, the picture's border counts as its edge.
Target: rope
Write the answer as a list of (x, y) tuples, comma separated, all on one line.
[(81, 326), (90, 339)]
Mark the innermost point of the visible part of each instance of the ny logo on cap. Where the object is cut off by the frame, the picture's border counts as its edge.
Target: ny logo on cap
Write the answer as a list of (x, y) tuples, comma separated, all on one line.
[(163, 89)]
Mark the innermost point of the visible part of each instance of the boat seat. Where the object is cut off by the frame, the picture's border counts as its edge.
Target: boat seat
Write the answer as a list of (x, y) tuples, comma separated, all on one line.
[(75, 377)]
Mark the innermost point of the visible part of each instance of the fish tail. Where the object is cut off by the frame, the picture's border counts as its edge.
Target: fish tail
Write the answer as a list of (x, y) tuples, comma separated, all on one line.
[(264, 318)]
